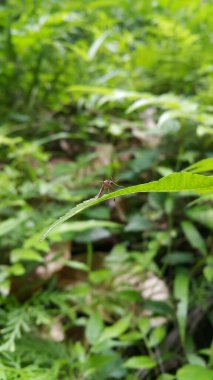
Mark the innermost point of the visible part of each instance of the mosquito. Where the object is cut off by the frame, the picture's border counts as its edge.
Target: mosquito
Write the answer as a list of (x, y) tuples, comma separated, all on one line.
[(107, 184)]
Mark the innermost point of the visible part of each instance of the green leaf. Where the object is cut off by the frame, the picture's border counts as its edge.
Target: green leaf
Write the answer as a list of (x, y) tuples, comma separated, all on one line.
[(144, 325), (181, 294), (98, 276), (156, 336), (194, 237), (97, 44), (208, 273), (117, 329), (76, 265), (25, 254), (172, 183), (82, 226), (140, 362), (98, 361), (17, 269), (131, 337), (201, 166), (11, 224), (178, 257), (192, 372), (93, 235), (94, 328), (138, 222), (196, 360), (5, 287), (202, 215), (166, 376), (140, 103), (100, 365)]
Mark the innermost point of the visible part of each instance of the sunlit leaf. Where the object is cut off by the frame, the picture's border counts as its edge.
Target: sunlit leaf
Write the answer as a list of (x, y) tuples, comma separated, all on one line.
[(191, 372), (97, 44), (193, 236), (201, 166), (25, 254), (140, 362)]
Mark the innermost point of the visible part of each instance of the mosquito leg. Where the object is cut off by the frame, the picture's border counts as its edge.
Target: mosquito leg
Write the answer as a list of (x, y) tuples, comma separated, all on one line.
[(101, 191), (110, 187)]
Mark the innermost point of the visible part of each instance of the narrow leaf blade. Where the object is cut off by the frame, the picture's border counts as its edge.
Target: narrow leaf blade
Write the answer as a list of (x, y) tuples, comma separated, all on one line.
[(172, 183)]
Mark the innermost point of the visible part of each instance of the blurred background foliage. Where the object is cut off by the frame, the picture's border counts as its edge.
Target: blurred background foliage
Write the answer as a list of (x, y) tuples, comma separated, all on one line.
[(92, 89)]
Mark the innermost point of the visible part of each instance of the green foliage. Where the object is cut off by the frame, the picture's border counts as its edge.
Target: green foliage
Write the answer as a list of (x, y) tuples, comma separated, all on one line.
[(140, 362), (181, 290), (92, 90), (190, 371)]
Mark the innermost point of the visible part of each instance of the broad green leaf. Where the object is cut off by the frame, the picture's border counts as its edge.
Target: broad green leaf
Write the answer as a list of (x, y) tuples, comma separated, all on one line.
[(156, 336), (192, 372), (25, 254), (94, 328), (181, 294), (196, 360), (34, 243), (11, 224), (193, 236), (144, 325), (17, 269), (140, 362), (172, 183), (117, 329), (103, 364), (98, 361)]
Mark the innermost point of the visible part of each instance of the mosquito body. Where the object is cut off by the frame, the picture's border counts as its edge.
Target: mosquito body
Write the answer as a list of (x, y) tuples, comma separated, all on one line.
[(107, 184)]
